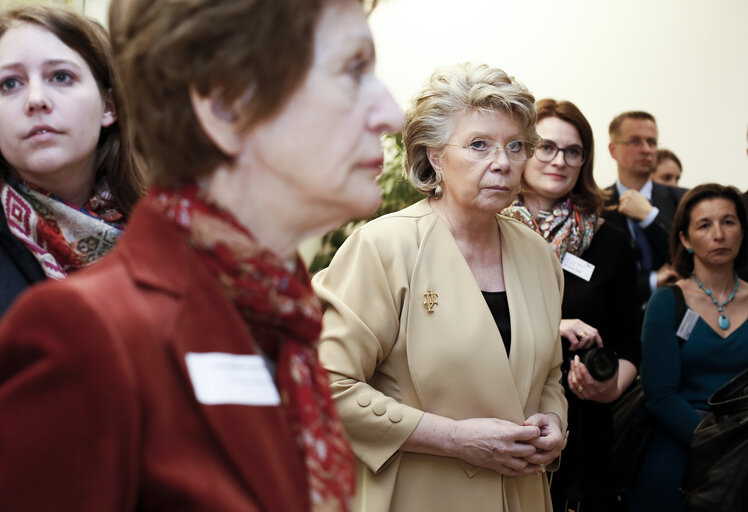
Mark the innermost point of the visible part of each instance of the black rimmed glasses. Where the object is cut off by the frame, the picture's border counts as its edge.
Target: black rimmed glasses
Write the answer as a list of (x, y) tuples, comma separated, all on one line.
[(516, 151), (574, 155)]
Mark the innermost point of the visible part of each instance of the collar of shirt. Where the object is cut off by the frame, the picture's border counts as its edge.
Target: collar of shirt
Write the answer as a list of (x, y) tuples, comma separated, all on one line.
[(646, 190)]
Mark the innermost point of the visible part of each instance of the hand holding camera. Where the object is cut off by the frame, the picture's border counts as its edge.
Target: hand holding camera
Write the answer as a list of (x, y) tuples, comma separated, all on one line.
[(593, 370), (586, 386)]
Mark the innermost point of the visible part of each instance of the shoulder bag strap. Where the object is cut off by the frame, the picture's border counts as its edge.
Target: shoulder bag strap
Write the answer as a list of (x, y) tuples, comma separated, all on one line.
[(680, 308)]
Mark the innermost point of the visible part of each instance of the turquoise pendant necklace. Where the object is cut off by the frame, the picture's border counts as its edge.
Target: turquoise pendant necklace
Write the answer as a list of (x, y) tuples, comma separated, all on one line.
[(724, 322)]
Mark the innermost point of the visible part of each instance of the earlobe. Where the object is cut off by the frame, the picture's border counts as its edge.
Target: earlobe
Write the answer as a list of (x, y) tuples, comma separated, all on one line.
[(683, 240), (109, 116), (218, 122), (434, 158)]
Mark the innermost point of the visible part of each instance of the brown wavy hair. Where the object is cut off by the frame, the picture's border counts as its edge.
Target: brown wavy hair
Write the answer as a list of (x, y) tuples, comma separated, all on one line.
[(666, 154), (682, 260), (115, 160), (588, 197), (251, 54)]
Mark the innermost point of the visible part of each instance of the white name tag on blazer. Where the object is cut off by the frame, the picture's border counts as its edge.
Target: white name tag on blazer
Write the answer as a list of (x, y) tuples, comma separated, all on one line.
[(220, 378), (577, 266), (687, 324)]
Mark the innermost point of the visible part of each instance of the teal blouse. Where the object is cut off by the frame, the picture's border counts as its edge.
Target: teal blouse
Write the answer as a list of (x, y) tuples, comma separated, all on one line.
[(679, 379)]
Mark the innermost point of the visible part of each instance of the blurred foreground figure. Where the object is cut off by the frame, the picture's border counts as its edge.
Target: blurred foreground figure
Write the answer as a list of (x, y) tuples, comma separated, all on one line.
[(181, 373)]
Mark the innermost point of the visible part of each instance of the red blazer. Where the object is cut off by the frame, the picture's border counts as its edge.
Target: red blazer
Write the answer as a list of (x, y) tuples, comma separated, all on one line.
[(97, 409)]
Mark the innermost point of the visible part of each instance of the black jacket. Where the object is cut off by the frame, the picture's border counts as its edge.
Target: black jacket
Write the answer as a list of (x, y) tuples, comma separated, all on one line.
[(742, 270), (18, 267)]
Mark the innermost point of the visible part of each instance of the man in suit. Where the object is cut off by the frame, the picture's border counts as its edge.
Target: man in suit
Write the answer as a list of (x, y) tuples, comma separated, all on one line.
[(745, 194), (644, 209), (743, 270)]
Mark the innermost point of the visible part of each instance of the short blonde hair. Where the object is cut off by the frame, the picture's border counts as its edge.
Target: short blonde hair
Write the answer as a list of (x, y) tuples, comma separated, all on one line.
[(450, 92)]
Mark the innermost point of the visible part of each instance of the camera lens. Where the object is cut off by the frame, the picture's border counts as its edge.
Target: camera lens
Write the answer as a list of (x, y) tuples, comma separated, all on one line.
[(601, 362)]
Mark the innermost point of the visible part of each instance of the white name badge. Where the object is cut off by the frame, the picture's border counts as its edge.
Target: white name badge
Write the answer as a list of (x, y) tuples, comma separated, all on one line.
[(577, 266), (687, 324), (220, 378)]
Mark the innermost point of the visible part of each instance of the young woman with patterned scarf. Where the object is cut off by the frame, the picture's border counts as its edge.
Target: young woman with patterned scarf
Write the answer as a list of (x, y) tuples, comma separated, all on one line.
[(561, 201), (68, 178), (181, 372)]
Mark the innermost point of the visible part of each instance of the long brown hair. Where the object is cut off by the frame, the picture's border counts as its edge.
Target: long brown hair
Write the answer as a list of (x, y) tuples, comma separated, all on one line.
[(682, 260), (586, 194), (115, 160)]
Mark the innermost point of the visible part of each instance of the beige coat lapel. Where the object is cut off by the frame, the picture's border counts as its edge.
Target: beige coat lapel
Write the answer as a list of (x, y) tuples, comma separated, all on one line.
[(517, 281), (455, 354)]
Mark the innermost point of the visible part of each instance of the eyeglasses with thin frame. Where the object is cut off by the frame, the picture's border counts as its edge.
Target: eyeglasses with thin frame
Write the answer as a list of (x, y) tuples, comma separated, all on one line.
[(574, 155), (516, 151), (638, 142)]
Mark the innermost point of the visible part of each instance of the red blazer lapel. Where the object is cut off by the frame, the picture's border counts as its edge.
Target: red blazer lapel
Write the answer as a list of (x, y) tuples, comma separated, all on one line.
[(256, 439)]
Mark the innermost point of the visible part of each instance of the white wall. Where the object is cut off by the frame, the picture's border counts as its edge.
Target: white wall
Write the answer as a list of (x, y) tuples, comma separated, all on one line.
[(684, 61), (94, 8)]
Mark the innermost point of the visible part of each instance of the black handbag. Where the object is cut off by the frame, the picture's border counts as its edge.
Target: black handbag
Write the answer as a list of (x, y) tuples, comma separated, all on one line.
[(632, 431), (632, 427), (716, 474)]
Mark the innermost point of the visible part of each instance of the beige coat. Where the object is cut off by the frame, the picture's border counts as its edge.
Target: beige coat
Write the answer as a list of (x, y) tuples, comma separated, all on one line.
[(390, 360)]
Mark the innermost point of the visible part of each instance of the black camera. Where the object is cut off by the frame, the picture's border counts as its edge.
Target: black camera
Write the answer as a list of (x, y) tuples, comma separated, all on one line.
[(601, 362)]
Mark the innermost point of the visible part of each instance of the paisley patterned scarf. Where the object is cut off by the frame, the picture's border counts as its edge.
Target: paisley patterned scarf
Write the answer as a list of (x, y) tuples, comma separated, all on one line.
[(277, 303), (564, 227), (61, 236)]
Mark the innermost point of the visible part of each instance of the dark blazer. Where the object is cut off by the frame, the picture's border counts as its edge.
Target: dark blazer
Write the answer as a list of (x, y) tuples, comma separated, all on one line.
[(743, 269), (666, 199), (97, 408), (18, 267), (607, 302)]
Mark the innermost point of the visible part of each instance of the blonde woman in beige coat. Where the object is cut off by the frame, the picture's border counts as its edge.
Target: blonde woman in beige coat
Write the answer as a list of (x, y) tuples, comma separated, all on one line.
[(441, 320)]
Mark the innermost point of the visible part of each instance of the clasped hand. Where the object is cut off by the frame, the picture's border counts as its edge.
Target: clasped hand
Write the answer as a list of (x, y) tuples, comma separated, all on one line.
[(508, 448)]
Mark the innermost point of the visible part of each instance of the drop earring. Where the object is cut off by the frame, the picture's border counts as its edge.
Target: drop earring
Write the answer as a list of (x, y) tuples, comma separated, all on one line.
[(438, 189)]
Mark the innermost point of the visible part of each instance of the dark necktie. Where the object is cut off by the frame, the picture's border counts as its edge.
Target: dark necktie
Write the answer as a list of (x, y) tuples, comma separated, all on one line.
[(645, 250)]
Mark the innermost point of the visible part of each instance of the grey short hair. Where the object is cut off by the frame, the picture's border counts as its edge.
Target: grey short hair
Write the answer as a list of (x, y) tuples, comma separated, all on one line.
[(449, 92)]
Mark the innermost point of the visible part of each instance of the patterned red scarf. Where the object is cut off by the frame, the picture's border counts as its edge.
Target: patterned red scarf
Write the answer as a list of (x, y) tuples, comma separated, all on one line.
[(61, 236), (285, 319), (564, 227)]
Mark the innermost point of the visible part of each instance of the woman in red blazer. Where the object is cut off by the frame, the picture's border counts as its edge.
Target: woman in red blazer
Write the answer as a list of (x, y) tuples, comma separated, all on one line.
[(180, 373)]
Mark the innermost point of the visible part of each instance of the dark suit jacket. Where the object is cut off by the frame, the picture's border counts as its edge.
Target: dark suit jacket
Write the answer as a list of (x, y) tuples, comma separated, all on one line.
[(18, 267), (97, 409), (666, 199), (742, 270)]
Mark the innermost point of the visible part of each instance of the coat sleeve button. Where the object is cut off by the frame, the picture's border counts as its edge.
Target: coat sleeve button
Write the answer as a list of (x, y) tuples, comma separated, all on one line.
[(395, 414), (363, 399), (379, 407)]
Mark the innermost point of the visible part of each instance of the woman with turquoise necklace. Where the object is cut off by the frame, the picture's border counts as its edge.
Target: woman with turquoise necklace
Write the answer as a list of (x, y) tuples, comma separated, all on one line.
[(684, 362)]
